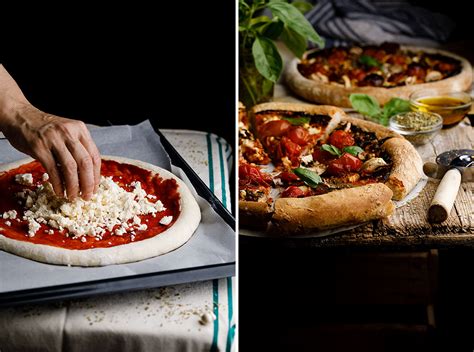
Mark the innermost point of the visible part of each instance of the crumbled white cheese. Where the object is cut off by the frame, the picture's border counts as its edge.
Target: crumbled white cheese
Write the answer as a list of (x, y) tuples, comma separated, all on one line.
[(111, 207), (24, 179), (33, 227), (142, 227), (11, 214), (307, 159), (45, 177), (166, 220), (314, 130), (8, 223)]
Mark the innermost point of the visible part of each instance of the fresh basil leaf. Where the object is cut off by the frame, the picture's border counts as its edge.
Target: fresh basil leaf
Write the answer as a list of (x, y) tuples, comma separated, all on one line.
[(294, 41), (369, 61), (331, 149), (366, 105), (311, 178), (295, 20), (267, 59), (302, 6), (395, 106), (354, 150), (297, 121), (272, 30)]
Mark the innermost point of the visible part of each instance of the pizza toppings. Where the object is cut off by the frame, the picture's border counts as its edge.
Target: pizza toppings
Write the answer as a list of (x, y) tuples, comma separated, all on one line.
[(24, 179), (130, 202), (386, 65), (110, 207)]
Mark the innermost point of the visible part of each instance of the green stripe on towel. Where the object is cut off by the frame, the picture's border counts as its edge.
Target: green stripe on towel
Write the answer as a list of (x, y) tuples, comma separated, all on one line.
[(215, 304)]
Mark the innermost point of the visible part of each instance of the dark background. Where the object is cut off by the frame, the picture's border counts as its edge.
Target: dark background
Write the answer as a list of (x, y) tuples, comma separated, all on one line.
[(173, 62)]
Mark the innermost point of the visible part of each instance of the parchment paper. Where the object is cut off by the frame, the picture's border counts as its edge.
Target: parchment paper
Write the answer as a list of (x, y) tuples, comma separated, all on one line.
[(212, 243)]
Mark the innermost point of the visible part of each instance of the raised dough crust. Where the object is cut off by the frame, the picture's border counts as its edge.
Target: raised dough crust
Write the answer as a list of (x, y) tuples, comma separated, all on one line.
[(255, 215), (339, 96), (174, 237), (336, 114), (407, 167), (334, 209)]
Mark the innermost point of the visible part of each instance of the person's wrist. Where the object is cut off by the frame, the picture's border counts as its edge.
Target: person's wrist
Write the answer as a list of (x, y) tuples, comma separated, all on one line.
[(14, 114)]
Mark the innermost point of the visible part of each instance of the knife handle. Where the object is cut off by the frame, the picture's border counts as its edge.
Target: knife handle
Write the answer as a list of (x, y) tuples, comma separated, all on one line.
[(444, 197)]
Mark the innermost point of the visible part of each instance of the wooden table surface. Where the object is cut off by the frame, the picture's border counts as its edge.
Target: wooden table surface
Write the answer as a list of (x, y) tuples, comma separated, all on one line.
[(408, 226)]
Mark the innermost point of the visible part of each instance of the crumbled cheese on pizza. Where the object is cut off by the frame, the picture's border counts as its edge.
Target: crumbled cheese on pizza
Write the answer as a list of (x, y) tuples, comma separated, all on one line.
[(110, 208), (314, 130), (11, 214), (24, 179), (307, 159), (33, 227), (166, 220), (8, 223), (45, 177)]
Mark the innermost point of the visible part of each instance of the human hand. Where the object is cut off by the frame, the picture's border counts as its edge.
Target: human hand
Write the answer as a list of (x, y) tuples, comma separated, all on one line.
[(63, 146)]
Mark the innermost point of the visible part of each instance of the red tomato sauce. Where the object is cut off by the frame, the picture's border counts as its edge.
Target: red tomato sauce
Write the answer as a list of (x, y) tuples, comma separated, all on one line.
[(123, 174)]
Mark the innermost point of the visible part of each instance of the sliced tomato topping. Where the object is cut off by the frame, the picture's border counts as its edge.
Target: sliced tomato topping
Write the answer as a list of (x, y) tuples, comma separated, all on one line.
[(252, 176), (288, 177), (274, 128), (343, 165), (341, 139), (322, 156), (289, 149), (293, 192), (299, 135), (358, 74)]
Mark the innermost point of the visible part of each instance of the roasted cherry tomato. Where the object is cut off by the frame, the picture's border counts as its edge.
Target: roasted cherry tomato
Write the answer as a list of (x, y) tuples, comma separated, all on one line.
[(298, 134), (290, 149), (341, 139), (357, 74), (322, 156), (288, 177), (343, 165), (275, 128), (416, 70), (293, 192), (251, 175)]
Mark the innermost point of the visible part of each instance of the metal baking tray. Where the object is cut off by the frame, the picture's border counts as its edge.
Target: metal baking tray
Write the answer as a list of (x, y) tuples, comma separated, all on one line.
[(129, 282)]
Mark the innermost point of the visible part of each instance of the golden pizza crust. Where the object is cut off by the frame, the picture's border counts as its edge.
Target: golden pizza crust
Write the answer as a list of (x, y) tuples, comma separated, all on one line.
[(335, 113), (407, 167), (325, 93), (338, 208), (254, 215)]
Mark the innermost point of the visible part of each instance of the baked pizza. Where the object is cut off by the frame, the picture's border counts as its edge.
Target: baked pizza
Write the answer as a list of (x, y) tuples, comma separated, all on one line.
[(139, 211), (330, 76), (327, 169)]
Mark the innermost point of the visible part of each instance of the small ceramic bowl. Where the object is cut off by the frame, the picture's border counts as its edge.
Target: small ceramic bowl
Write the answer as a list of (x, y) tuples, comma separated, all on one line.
[(417, 126)]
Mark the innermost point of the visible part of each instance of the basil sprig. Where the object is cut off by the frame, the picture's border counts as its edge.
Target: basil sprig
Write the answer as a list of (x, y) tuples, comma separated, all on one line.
[(331, 149), (298, 121), (369, 61), (369, 106), (311, 178), (354, 150)]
